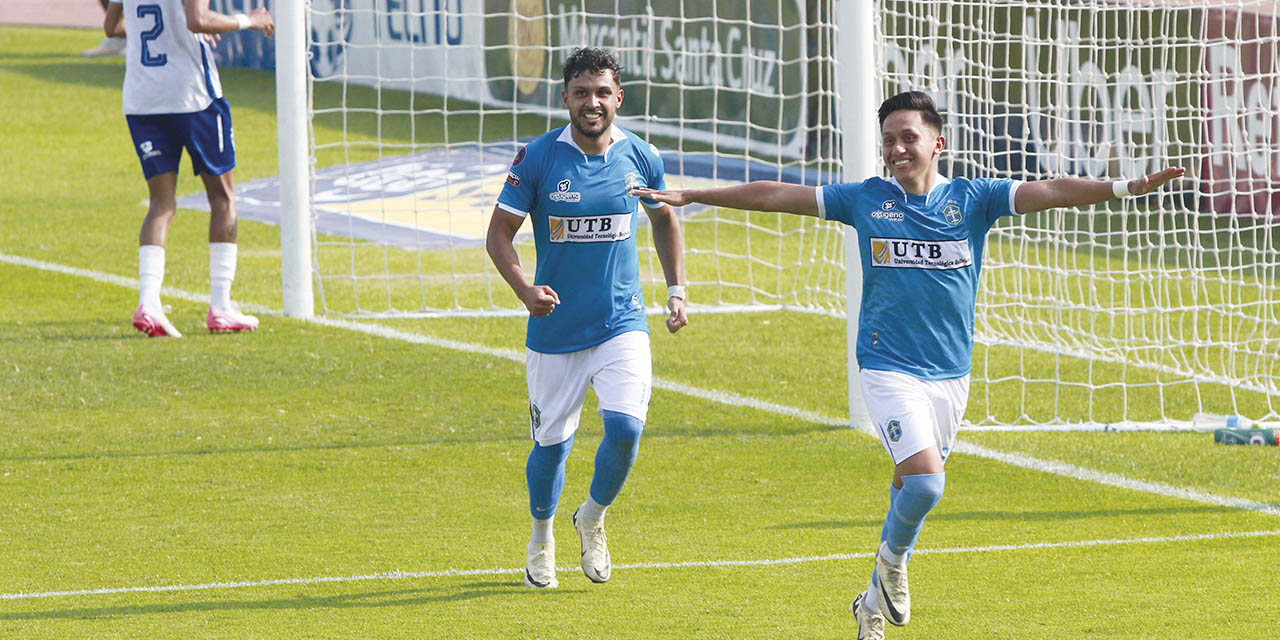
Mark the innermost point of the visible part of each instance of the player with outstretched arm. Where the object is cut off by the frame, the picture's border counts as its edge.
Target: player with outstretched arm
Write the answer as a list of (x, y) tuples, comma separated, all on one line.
[(173, 100), (587, 323), (921, 237)]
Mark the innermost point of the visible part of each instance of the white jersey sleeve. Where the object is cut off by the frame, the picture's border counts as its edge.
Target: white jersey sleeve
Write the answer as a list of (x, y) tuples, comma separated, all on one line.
[(168, 69)]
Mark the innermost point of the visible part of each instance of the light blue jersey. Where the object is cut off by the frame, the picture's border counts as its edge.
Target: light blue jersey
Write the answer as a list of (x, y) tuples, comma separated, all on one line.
[(584, 227), (921, 256)]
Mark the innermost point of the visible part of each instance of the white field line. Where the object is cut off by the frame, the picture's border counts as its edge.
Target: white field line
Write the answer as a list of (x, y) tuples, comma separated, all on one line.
[(448, 573), (1027, 462)]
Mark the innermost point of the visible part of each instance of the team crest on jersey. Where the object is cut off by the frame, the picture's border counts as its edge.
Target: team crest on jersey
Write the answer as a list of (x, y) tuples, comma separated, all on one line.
[(633, 182), (894, 430), (952, 214), (519, 157), (563, 194)]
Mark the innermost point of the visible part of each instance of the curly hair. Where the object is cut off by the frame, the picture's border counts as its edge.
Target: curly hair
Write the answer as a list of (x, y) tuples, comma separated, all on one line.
[(594, 60)]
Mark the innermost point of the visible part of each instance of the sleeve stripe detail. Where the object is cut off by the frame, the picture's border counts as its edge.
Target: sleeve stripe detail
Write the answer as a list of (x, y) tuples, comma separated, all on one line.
[(1013, 190), (822, 205), (510, 209)]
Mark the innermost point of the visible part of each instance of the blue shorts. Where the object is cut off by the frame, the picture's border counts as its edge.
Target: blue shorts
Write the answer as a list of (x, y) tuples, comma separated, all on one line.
[(159, 140)]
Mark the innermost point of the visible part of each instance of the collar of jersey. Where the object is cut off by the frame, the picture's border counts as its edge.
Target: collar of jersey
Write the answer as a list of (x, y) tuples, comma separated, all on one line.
[(939, 180), (615, 134)]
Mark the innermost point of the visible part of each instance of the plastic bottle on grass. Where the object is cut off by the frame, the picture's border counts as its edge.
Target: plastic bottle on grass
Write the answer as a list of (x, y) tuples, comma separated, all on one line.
[(1206, 421)]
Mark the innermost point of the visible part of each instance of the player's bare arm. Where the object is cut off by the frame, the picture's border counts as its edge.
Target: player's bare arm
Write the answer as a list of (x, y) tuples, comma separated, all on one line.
[(201, 19), (668, 240), (1077, 192), (540, 300), (762, 195), (113, 22)]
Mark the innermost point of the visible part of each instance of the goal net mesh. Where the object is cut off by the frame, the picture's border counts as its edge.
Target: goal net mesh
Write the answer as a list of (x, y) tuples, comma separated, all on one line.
[(1139, 312)]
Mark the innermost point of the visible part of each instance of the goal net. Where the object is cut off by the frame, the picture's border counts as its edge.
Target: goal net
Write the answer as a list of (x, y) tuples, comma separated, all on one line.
[(1138, 313)]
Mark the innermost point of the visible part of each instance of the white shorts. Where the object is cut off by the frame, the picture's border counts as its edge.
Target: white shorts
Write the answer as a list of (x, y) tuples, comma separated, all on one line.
[(620, 370), (913, 414)]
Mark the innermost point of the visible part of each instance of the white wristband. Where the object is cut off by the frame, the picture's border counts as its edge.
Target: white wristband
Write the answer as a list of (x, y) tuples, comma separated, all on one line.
[(676, 291), (1120, 188), (243, 20)]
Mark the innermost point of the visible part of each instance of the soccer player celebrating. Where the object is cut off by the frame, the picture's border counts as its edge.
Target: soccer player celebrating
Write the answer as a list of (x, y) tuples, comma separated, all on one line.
[(173, 100), (587, 322), (921, 237)]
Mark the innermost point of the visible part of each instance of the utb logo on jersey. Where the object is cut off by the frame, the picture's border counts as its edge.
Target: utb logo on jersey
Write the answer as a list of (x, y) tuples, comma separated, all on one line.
[(563, 194), (905, 253), (894, 429), (607, 228), (952, 214)]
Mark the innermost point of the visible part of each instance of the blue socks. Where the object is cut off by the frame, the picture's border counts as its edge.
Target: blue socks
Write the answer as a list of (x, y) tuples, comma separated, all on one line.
[(545, 474), (545, 470), (906, 516), (617, 452)]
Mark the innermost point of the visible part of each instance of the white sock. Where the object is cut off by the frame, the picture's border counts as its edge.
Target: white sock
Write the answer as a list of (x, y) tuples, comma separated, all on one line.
[(592, 511), (222, 272), (150, 275), (542, 533), (873, 598), (890, 557)]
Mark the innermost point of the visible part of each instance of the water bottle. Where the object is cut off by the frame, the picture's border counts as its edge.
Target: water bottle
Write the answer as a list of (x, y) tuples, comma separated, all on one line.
[(1264, 437), (1207, 421)]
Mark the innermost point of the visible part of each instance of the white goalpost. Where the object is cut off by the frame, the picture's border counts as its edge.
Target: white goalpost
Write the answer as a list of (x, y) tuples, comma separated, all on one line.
[(398, 126)]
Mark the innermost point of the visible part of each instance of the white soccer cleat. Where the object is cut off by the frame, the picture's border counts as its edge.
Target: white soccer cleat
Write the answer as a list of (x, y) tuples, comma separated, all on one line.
[(108, 47), (153, 323), (870, 623), (595, 549), (895, 600), (540, 566), (229, 320)]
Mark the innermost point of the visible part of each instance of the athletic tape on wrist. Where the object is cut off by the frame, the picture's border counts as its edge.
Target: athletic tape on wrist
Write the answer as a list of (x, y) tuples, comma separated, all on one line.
[(676, 291), (1120, 188), (243, 20)]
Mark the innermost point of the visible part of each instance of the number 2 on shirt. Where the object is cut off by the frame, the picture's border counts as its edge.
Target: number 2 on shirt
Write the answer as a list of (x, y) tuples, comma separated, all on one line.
[(149, 59)]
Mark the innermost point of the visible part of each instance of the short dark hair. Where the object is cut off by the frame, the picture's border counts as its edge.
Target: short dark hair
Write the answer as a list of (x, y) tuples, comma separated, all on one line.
[(913, 101), (594, 60)]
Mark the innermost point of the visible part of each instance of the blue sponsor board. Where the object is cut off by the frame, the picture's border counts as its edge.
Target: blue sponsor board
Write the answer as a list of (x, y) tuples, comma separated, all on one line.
[(442, 198)]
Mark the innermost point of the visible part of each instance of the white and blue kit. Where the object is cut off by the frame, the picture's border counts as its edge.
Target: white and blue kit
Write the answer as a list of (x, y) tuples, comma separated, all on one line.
[(921, 258), (172, 95), (584, 225)]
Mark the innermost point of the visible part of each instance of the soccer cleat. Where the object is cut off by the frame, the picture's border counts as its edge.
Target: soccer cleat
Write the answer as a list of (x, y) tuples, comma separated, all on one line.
[(108, 47), (895, 601), (153, 323), (229, 320), (870, 623), (540, 566), (595, 549)]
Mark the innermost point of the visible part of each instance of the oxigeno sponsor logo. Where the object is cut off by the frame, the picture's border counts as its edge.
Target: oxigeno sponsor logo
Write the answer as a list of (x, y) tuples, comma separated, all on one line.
[(904, 253), (608, 228)]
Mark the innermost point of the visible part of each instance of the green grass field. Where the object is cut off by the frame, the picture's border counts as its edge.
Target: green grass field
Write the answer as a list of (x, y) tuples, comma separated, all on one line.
[(365, 479)]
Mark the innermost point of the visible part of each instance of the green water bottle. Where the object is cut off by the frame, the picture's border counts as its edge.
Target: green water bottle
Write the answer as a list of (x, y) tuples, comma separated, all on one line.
[(1269, 437)]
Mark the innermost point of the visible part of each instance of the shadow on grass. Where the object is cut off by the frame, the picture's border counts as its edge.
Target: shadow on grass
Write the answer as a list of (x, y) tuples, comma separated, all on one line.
[(1023, 516), (393, 598)]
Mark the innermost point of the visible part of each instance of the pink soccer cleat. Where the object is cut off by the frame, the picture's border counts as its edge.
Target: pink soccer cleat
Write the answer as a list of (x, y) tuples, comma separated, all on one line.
[(153, 323), (229, 320)]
